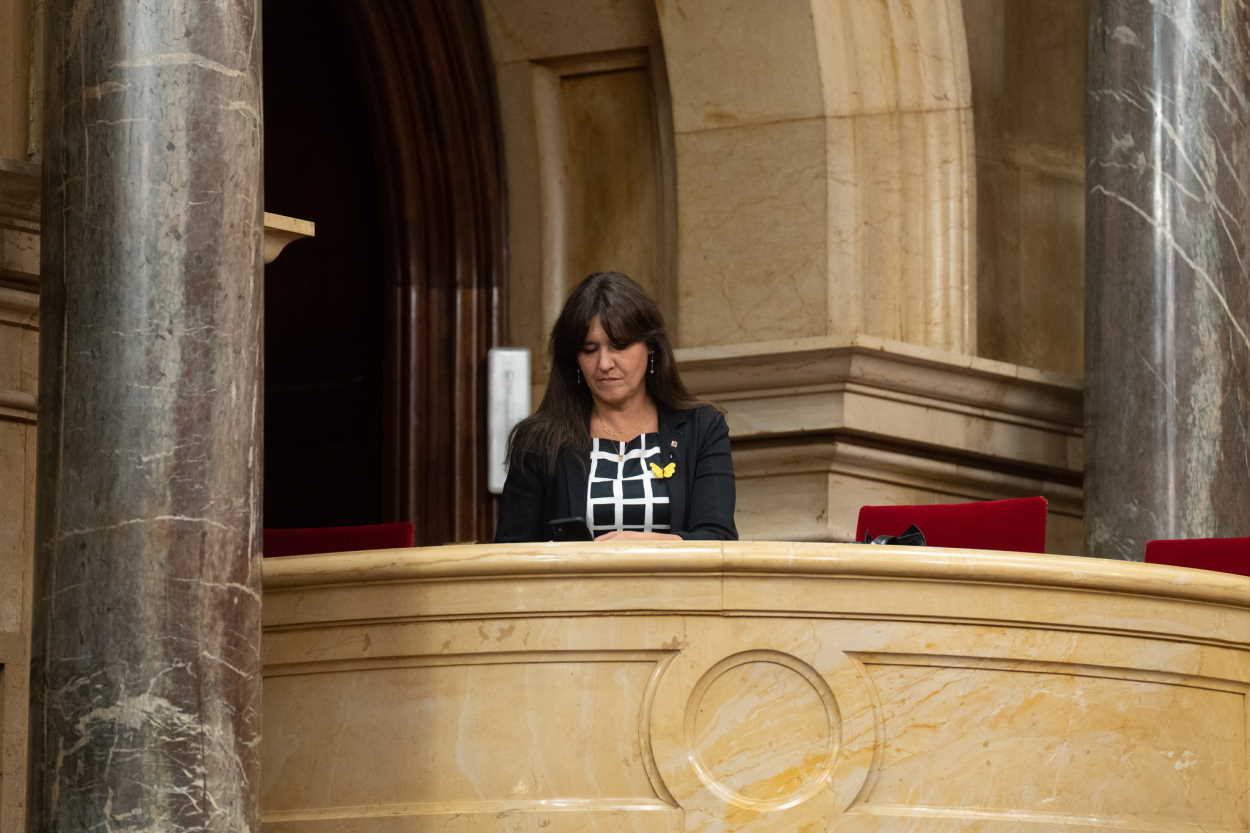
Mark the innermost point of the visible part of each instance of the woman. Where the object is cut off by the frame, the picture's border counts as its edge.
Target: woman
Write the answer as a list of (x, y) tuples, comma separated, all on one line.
[(618, 440)]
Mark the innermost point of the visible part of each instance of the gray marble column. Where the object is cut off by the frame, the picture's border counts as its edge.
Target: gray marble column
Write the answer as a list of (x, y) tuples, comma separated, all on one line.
[(1167, 273), (146, 667)]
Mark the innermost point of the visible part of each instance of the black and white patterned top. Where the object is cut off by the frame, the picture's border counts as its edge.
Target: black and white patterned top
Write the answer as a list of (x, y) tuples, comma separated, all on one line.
[(621, 492)]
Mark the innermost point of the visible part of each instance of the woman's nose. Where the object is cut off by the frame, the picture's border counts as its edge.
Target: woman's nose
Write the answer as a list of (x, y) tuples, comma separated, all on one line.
[(606, 360)]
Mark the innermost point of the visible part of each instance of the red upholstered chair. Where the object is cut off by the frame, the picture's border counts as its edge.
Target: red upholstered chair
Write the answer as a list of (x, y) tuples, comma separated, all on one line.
[(1018, 524), (1225, 555), (338, 538)]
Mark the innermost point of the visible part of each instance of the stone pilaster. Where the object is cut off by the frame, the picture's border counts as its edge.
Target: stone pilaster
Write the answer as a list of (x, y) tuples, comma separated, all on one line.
[(1168, 282), (145, 659)]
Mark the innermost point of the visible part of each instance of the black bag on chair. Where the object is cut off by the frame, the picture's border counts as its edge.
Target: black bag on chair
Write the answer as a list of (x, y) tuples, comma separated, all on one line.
[(910, 537)]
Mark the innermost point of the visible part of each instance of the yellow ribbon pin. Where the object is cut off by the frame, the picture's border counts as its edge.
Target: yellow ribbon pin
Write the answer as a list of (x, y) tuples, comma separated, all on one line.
[(663, 473)]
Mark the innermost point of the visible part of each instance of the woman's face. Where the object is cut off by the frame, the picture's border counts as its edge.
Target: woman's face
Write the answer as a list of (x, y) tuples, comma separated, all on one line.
[(613, 376)]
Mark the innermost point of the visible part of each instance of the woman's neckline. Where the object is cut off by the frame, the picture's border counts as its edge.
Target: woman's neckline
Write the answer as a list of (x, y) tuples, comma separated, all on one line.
[(646, 422), (623, 442)]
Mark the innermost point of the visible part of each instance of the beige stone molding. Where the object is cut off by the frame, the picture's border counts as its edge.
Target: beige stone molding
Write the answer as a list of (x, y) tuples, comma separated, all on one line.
[(19, 189), (19, 253), (750, 686), (18, 405), (19, 230), (823, 453), (19, 307), (811, 489), (901, 394), (821, 427), (19, 323), (375, 571)]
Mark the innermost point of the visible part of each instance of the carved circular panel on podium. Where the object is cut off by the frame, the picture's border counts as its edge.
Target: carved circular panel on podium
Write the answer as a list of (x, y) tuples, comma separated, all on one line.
[(762, 729)]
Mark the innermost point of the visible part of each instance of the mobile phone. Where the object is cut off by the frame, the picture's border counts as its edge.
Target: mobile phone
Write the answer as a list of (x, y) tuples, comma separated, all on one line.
[(569, 529)]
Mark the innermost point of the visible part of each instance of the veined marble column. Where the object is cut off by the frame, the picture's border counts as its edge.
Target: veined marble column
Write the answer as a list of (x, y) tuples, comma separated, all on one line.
[(1167, 273), (145, 671)]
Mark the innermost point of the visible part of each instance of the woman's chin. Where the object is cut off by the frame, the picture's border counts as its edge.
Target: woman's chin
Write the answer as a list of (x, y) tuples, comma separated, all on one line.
[(615, 395)]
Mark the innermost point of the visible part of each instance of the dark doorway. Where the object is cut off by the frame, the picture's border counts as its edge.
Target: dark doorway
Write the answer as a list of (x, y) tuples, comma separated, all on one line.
[(381, 126), (324, 297)]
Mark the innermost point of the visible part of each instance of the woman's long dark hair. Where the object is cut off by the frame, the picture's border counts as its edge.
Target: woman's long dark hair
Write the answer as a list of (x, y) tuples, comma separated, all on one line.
[(627, 315)]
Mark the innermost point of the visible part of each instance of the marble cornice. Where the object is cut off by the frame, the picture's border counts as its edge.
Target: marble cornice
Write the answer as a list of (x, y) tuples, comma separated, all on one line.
[(19, 406), (829, 455), (19, 227), (894, 394), (19, 307), (19, 189), (742, 370), (683, 561), (534, 560)]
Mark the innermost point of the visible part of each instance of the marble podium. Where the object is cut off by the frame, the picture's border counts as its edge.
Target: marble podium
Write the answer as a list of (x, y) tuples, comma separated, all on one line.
[(750, 687)]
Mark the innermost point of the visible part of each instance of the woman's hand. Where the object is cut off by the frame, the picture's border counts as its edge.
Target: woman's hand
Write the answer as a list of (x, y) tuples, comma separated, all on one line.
[(630, 535)]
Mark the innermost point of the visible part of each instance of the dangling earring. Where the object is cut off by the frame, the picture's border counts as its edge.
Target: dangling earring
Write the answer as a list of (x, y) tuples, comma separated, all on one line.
[(579, 377), (652, 369)]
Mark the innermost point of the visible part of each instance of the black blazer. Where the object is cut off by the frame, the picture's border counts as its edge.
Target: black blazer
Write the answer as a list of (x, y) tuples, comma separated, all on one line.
[(700, 492)]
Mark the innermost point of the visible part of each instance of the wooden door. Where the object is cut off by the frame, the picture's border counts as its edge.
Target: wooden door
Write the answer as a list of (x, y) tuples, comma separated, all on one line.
[(413, 231)]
